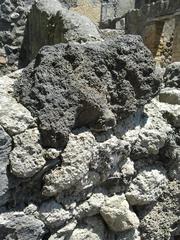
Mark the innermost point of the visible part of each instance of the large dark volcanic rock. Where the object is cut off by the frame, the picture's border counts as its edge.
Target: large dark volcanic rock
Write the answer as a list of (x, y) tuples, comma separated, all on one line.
[(95, 84)]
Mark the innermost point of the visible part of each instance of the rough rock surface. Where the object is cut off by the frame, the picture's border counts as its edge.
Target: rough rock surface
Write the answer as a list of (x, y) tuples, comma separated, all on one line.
[(172, 75), (17, 225), (5, 148), (146, 187), (85, 151), (92, 84), (13, 116), (116, 213), (27, 156)]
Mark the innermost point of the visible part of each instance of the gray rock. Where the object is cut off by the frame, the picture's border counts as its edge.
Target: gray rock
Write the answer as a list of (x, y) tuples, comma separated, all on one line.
[(14, 117), (64, 232), (26, 158), (172, 153), (86, 163), (93, 84), (146, 187), (170, 112), (160, 220), (117, 214), (147, 140), (93, 228), (5, 148), (17, 225), (53, 214), (172, 75), (170, 95), (58, 25), (90, 207), (75, 164), (129, 235)]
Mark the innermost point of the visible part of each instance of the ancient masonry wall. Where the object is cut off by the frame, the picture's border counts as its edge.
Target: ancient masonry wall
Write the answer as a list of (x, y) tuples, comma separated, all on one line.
[(176, 43)]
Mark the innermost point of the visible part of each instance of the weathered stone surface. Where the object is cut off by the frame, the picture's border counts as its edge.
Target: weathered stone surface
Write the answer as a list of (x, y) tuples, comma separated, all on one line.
[(75, 164), (86, 162), (17, 225), (152, 136), (64, 232), (159, 221), (57, 25), (172, 75), (92, 84), (5, 148), (93, 229), (172, 153), (117, 214), (129, 235), (26, 159), (146, 187), (13, 116), (170, 112), (170, 95), (90, 207), (53, 214)]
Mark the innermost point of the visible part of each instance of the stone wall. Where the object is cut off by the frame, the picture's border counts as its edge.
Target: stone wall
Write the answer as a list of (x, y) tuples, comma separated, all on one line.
[(153, 20), (176, 43)]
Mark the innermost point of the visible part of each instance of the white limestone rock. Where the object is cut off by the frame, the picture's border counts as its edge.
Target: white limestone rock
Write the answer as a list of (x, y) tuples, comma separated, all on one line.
[(26, 158), (90, 207), (146, 187), (14, 117), (75, 164), (53, 214), (92, 229), (64, 232), (117, 214), (153, 134)]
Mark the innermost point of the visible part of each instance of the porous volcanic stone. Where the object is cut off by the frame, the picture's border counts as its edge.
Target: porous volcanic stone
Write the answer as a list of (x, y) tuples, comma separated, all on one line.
[(94, 84)]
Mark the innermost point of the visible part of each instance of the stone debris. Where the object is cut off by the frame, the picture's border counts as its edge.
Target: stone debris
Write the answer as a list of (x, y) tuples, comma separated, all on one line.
[(90, 129)]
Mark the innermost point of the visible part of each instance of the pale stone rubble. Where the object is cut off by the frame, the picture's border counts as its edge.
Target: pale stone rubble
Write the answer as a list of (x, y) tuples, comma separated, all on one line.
[(120, 182), (107, 159)]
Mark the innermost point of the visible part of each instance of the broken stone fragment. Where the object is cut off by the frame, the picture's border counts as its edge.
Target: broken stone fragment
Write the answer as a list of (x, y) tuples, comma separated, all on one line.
[(91, 228), (172, 75), (26, 158), (117, 214), (5, 148), (22, 226), (170, 95), (146, 187), (53, 214), (14, 117)]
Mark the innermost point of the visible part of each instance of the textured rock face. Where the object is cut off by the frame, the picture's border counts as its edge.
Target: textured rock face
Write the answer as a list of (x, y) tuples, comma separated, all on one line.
[(27, 155), (5, 148), (146, 187), (17, 225), (106, 81), (172, 75), (85, 152), (117, 214)]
